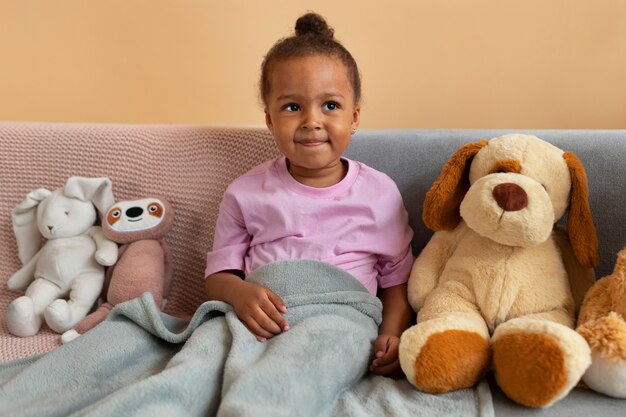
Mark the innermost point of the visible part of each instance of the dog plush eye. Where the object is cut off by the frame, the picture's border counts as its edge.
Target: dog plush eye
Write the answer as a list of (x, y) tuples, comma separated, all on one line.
[(67, 212), (506, 165)]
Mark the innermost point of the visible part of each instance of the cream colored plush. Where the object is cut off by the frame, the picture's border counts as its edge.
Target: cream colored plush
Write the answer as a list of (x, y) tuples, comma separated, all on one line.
[(64, 274), (602, 322), (492, 287)]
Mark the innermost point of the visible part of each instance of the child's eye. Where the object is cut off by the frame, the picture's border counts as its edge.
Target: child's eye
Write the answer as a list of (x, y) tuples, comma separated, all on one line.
[(291, 107), (330, 105)]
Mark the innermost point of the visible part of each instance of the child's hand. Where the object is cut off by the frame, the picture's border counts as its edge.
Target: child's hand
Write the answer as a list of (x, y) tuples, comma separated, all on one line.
[(386, 361), (260, 310)]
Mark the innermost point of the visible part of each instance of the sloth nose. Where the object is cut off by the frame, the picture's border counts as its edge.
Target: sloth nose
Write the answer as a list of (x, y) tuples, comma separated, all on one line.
[(510, 197), (50, 228), (134, 212)]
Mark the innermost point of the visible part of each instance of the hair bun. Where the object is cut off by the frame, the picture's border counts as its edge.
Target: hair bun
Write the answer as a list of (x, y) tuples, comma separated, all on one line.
[(314, 24)]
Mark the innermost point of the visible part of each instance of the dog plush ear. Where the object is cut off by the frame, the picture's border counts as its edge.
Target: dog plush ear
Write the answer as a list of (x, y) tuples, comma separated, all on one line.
[(442, 202), (580, 227), (24, 217)]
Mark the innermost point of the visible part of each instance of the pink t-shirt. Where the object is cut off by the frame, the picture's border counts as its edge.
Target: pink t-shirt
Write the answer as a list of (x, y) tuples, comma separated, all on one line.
[(359, 225)]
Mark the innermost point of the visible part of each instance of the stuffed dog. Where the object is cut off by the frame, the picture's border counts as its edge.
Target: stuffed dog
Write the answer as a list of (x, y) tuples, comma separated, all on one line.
[(492, 286), (144, 260), (70, 262), (602, 322)]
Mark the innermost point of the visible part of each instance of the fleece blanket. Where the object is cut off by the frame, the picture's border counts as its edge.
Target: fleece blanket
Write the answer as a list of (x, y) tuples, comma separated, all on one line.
[(141, 362)]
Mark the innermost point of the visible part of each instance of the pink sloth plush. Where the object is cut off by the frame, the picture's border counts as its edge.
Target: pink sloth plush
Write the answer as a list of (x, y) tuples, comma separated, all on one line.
[(144, 259)]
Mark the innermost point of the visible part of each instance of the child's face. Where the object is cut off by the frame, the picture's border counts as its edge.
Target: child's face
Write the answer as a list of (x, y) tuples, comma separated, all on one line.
[(311, 113)]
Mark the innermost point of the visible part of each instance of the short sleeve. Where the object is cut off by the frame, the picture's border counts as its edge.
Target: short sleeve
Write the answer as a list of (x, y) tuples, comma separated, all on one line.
[(395, 259), (231, 241), (395, 271)]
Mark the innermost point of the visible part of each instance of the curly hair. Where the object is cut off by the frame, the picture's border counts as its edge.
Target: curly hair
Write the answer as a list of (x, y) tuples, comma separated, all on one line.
[(312, 36)]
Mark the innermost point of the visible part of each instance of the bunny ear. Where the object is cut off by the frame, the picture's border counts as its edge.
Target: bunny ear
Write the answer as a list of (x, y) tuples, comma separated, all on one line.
[(580, 228), (442, 202), (97, 190), (24, 219)]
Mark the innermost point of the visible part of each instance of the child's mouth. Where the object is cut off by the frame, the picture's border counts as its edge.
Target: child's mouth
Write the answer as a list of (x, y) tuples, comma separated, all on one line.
[(311, 143)]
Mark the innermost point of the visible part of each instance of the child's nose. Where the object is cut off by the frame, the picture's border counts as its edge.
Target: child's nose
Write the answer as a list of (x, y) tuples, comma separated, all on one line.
[(311, 120)]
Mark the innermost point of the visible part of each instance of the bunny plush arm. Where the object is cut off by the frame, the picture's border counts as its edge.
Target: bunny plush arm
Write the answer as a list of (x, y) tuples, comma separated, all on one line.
[(106, 250), (24, 276)]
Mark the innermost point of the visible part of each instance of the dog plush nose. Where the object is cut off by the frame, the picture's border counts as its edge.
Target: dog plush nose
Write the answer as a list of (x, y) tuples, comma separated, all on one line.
[(510, 197)]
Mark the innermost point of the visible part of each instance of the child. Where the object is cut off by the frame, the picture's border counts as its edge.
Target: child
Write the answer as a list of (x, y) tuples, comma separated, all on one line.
[(312, 203)]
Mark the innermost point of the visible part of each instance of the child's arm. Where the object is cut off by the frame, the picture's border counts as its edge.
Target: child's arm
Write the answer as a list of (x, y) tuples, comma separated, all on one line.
[(397, 317), (256, 306)]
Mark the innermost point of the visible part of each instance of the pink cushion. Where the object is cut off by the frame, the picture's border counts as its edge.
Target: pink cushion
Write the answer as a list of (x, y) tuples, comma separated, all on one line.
[(189, 165)]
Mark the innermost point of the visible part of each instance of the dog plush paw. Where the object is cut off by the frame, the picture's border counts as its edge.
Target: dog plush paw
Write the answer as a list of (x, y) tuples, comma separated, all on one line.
[(451, 360), (537, 368), (436, 358)]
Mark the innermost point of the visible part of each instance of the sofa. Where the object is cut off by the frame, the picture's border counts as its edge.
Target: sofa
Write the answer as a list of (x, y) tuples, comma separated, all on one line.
[(192, 165)]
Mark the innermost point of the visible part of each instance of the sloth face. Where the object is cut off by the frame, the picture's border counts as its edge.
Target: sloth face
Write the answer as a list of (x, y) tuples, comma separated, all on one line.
[(136, 215)]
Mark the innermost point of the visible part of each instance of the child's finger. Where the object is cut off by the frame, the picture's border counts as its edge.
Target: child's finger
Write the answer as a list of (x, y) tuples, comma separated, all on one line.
[(386, 351), (275, 323), (381, 345), (269, 319), (257, 330), (385, 359), (392, 370), (277, 301), (274, 311)]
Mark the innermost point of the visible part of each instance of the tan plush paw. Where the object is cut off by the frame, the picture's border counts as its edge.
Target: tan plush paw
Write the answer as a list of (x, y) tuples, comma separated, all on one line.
[(607, 339), (537, 368), (606, 335), (530, 368), (451, 360), (446, 353)]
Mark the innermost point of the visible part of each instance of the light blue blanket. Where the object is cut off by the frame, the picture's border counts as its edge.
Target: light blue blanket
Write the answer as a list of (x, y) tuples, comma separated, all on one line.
[(141, 362)]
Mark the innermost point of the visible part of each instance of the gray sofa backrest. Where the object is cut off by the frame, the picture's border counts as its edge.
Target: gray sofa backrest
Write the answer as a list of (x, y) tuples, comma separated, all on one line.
[(413, 158)]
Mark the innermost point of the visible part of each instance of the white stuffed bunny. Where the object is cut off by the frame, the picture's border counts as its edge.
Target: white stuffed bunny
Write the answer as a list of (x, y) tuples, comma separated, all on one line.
[(70, 262)]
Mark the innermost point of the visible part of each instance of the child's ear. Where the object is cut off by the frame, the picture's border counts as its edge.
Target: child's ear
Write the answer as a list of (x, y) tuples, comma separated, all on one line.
[(356, 118), (268, 121)]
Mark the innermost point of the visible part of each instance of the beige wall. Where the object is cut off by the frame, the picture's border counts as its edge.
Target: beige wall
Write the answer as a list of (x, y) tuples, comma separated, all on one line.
[(438, 63)]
